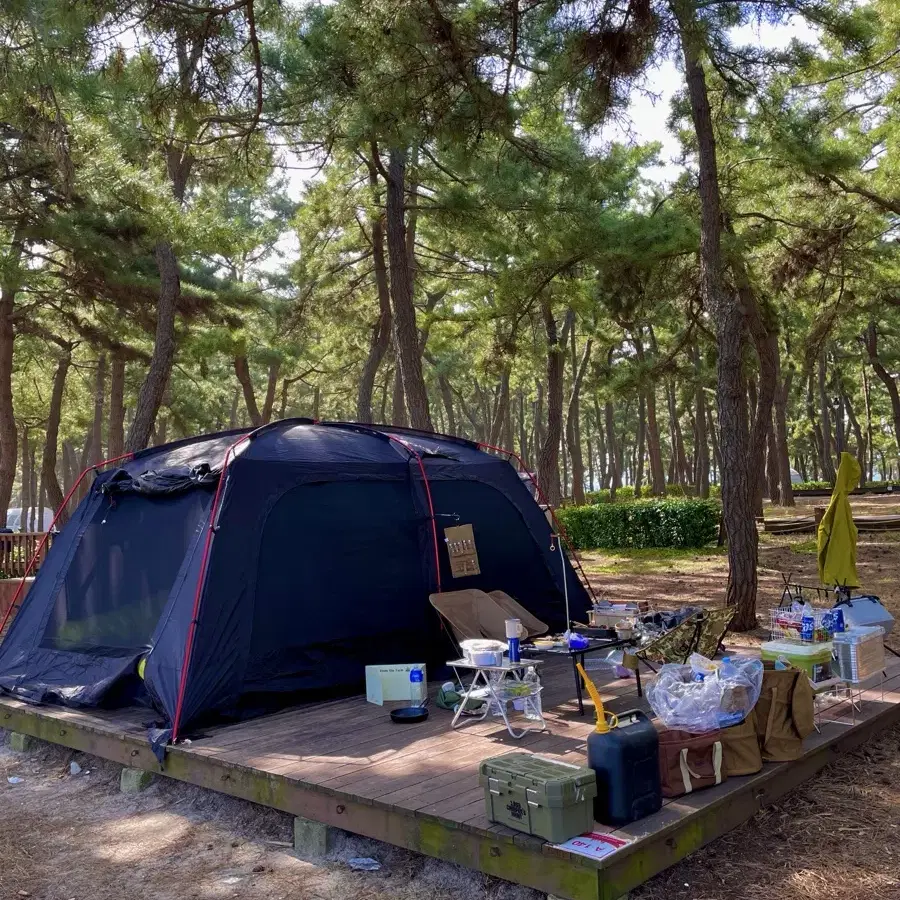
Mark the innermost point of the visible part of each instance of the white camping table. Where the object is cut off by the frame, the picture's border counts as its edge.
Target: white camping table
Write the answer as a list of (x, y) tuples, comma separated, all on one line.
[(492, 678)]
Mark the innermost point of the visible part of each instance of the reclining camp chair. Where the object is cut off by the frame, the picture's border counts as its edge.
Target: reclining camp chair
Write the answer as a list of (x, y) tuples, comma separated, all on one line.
[(474, 614), (700, 633), (712, 630)]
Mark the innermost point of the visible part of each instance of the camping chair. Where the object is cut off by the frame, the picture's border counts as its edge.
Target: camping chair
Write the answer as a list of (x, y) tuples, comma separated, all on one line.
[(475, 614), (712, 630), (700, 633), (674, 646)]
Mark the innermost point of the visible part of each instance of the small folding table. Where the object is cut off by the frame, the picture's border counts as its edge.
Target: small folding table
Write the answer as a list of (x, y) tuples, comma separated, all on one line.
[(487, 685)]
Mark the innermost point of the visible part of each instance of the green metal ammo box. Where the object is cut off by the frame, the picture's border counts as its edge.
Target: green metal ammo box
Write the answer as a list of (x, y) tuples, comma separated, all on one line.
[(550, 799)]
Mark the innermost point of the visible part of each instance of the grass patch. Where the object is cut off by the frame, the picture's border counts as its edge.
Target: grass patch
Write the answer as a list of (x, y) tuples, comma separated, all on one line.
[(651, 561)]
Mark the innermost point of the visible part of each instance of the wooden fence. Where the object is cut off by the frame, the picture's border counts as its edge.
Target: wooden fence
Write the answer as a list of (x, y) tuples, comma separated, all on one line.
[(16, 551)]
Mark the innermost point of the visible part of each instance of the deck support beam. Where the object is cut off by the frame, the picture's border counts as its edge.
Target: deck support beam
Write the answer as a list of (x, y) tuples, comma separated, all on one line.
[(133, 781), (21, 743), (313, 840)]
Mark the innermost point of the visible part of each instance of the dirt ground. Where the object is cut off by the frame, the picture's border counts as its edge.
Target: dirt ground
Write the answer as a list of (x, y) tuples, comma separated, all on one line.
[(75, 837)]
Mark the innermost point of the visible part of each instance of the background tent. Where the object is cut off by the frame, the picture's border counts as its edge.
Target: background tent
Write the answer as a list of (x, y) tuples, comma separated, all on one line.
[(328, 539)]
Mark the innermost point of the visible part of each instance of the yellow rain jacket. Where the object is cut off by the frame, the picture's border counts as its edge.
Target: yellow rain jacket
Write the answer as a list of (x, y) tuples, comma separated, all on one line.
[(836, 539)]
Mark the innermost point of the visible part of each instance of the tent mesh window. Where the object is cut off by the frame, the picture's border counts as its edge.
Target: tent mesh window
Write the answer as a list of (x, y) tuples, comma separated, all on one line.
[(122, 572)]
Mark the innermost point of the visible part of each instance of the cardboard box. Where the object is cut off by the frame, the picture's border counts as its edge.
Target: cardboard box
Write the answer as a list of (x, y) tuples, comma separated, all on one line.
[(385, 684)]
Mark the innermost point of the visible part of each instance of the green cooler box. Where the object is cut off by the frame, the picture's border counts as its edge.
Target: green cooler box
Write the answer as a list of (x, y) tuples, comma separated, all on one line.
[(539, 796)]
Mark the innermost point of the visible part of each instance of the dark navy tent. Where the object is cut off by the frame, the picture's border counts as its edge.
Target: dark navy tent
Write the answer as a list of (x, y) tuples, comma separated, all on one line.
[(240, 571)]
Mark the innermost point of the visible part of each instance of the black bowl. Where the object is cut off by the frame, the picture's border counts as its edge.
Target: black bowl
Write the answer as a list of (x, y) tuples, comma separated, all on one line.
[(406, 715)]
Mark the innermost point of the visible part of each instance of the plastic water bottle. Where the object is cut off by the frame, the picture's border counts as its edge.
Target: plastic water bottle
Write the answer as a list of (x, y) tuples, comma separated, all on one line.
[(417, 689), (808, 623)]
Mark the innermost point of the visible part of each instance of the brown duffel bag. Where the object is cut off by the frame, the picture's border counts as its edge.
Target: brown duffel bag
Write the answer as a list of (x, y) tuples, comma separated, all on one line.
[(740, 746), (784, 713), (688, 762)]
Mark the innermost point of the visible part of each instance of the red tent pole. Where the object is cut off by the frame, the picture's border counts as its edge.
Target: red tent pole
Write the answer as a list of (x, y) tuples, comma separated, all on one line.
[(412, 451), (561, 531), (198, 593), (43, 543)]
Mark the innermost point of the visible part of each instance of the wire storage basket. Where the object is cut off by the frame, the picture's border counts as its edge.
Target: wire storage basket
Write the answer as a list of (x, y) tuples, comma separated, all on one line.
[(787, 625)]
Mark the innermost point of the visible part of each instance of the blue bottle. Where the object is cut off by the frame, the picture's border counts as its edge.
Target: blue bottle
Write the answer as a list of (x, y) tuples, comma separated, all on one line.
[(417, 689)]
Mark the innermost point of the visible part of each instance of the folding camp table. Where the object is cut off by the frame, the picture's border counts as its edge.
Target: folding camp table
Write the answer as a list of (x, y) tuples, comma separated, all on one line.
[(491, 678), (578, 655)]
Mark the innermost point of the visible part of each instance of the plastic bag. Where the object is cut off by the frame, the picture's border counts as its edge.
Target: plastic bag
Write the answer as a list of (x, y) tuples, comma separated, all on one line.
[(706, 695)]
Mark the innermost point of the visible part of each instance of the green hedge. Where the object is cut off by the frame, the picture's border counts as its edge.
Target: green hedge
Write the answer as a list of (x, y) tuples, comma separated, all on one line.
[(626, 493), (643, 523)]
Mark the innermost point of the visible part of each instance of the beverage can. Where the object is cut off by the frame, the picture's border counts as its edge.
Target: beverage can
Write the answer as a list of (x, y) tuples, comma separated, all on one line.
[(807, 628), (837, 620), (513, 649)]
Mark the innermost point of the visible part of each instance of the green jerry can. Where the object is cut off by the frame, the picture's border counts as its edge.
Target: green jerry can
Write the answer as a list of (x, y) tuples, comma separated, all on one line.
[(539, 796)]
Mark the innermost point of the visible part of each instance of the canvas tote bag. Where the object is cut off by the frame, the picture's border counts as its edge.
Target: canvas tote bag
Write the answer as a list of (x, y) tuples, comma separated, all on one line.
[(688, 762), (740, 745), (784, 713)]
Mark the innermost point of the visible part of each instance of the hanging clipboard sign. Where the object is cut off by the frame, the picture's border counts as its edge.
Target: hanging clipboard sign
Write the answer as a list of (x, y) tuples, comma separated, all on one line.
[(460, 540)]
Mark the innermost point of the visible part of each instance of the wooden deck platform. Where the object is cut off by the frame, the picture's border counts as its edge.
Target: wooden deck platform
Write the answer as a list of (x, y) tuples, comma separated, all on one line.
[(346, 764)]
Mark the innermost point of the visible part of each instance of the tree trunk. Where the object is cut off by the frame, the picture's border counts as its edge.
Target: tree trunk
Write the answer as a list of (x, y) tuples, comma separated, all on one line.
[(548, 459), (9, 438), (728, 315), (701, 441), (782, 393), (825, 412), (381, 330), (271, 388), (590, 463), (25, 492), (162, 431), (48, 462), (573, 423), (869, 442), (613, 473), (156, 381), (523, 431), (538, 418), (654, 448), (447, 399), (388, 379), (601, 443), (406, 336), (818, 442), (70, 466), (116, 429), (870, 340), (233, 415), (679, 467), (242, 370), (99, 398), (861, 445), (773, 477), (499, 422), (398, 401), (641, 442)]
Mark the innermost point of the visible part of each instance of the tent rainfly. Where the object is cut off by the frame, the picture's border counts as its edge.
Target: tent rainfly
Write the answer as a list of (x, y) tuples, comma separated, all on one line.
[(238, 572)]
